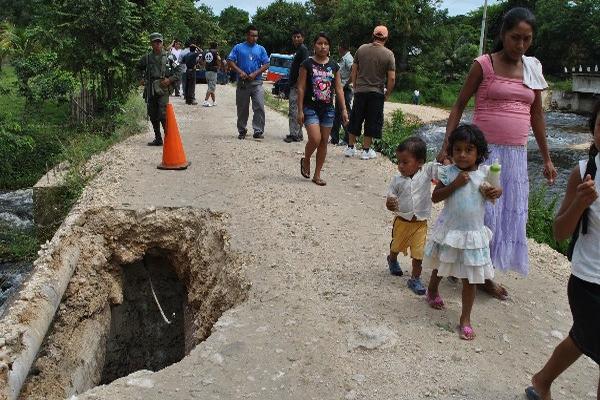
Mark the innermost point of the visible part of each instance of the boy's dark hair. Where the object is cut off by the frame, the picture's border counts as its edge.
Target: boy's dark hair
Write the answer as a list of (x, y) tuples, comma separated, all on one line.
[(251, 28), (512, 18), (415, 146), (471, 134), (593, 117), (298, 32), (323, 35), (344, 45)]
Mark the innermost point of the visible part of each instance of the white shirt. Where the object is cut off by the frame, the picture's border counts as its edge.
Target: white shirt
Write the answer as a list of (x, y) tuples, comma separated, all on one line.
[(345, 65), (586, 255), (414, 194)]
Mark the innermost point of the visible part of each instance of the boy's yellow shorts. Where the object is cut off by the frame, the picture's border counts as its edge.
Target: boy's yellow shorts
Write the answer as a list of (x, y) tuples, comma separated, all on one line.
[(409, 235)]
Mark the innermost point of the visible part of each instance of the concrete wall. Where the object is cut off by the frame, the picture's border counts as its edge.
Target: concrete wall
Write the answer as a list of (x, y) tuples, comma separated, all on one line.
[(586, 83), (573, 101)]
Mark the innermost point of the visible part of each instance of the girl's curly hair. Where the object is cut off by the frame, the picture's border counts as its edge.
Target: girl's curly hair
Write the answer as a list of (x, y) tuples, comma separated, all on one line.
[(471, 134)]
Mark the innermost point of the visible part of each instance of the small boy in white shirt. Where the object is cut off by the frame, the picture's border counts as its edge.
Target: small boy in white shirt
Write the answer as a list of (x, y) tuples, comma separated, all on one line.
[(409, 197)]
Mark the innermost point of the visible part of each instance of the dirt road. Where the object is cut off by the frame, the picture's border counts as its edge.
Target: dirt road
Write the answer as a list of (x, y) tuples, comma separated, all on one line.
[(324, 319)]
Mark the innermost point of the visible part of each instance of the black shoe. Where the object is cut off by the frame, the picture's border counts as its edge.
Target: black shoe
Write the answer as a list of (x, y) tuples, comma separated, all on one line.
[(242, 135), (155, 142), (288, 139), (298, 139), (258, 135)]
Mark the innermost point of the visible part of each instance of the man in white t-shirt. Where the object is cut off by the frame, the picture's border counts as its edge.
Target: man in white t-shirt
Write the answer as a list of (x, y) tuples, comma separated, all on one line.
[(176, 52)]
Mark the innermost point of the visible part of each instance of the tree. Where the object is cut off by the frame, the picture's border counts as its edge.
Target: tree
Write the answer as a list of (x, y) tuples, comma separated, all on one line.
[(233, 21), (568, 33), (276, 22)]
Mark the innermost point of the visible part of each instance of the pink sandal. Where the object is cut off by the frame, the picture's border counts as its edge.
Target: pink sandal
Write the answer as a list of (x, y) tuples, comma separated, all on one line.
[(435, 302), (466, 332)]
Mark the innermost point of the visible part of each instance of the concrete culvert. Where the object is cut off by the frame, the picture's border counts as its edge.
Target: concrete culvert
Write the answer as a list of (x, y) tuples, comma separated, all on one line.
[(132, 272)]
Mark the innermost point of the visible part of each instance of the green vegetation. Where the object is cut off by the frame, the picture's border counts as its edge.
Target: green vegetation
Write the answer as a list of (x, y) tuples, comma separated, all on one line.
[(541, 219), (565, 85), (16, 245), (395, 131), (276, 103)]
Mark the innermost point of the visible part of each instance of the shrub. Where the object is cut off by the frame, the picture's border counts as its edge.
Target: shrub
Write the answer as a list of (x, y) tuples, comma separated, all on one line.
[(395, 130), (541, 218)]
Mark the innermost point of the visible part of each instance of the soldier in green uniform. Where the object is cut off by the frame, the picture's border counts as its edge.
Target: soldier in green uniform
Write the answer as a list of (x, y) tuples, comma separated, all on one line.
[(158, 72)]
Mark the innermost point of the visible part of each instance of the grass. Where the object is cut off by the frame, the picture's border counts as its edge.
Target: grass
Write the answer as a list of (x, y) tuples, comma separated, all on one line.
[(565, 85), (441, 95), (276, 103), (541, 218), (395, 130), (17, 245)]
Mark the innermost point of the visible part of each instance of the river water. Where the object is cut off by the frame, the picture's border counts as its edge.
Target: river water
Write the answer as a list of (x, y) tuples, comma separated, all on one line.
[(16, 216), (568, 136)]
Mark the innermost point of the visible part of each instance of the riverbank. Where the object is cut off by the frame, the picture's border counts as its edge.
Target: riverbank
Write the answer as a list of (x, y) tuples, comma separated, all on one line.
[(323, 318)]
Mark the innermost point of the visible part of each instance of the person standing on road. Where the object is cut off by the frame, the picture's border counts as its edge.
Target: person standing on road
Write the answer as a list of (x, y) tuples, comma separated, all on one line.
[(183, 53), (373, 65), (295, 134), (249, 60), (158, 72), (212, 61), (345, 70), (176, 53), (508, 103), (319, 85), (191, 60)]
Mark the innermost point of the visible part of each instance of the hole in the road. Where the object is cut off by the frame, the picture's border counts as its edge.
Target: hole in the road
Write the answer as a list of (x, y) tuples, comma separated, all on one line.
[(139, 337)]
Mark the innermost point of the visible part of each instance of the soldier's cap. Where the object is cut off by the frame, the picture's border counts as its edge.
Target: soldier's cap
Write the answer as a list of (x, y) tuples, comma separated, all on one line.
[(156, 36)]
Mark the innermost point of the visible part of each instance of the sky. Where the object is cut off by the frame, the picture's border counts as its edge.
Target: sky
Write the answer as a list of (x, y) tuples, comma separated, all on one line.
[(454, 7)]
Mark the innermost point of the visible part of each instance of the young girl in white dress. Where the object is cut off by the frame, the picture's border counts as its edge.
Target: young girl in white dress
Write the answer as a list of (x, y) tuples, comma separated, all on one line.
[(459, 244)]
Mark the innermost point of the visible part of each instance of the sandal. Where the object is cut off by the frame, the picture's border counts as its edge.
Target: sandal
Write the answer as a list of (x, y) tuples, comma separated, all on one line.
[(319, 182), (434, 302), (302, 171), (466, 332)]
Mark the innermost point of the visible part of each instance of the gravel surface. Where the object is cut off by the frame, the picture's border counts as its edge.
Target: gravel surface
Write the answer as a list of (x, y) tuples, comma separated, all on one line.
[(324, 319)]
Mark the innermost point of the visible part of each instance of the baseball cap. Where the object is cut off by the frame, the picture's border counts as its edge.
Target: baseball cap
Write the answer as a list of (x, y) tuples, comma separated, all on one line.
[(380, 32)]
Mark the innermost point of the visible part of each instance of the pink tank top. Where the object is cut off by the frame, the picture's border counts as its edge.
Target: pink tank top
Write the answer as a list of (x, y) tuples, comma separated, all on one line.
[(502, 107)]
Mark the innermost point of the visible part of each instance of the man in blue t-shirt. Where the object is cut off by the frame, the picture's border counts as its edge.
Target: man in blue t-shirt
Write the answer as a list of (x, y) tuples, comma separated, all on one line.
[(249, 60)]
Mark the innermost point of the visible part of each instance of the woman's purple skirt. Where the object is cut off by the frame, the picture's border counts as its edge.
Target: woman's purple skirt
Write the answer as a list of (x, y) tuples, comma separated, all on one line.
[(507, 218)]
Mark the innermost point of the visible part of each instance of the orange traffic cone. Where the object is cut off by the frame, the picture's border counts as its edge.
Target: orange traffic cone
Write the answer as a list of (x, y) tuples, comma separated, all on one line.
[(173, 154)]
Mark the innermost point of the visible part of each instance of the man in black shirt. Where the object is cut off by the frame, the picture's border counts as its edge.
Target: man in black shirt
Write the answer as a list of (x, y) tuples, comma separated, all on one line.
[(295, 134), (190, 60)]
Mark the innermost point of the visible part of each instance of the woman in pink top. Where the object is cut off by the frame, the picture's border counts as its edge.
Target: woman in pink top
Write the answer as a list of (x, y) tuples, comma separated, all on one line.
[(506, 107)]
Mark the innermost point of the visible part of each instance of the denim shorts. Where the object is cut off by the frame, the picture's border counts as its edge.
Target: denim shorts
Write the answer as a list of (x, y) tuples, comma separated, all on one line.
[(322, 116)]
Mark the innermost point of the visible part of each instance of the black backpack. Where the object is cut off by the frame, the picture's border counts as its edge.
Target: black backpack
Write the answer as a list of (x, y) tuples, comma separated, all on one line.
[(590, 169)]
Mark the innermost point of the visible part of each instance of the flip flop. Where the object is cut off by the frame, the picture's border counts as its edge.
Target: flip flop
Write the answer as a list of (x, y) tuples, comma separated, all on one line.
[(319, 182), (466, 332), (435, 302), (302, 171), (532, 394)]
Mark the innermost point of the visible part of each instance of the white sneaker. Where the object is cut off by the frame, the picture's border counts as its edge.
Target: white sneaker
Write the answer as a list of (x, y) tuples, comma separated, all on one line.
[(368, 155), (206, 104), (350, 152), (214, 104)]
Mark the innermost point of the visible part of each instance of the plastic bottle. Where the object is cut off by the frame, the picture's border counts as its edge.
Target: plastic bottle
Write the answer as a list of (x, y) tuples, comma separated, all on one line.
[(493, 177)]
